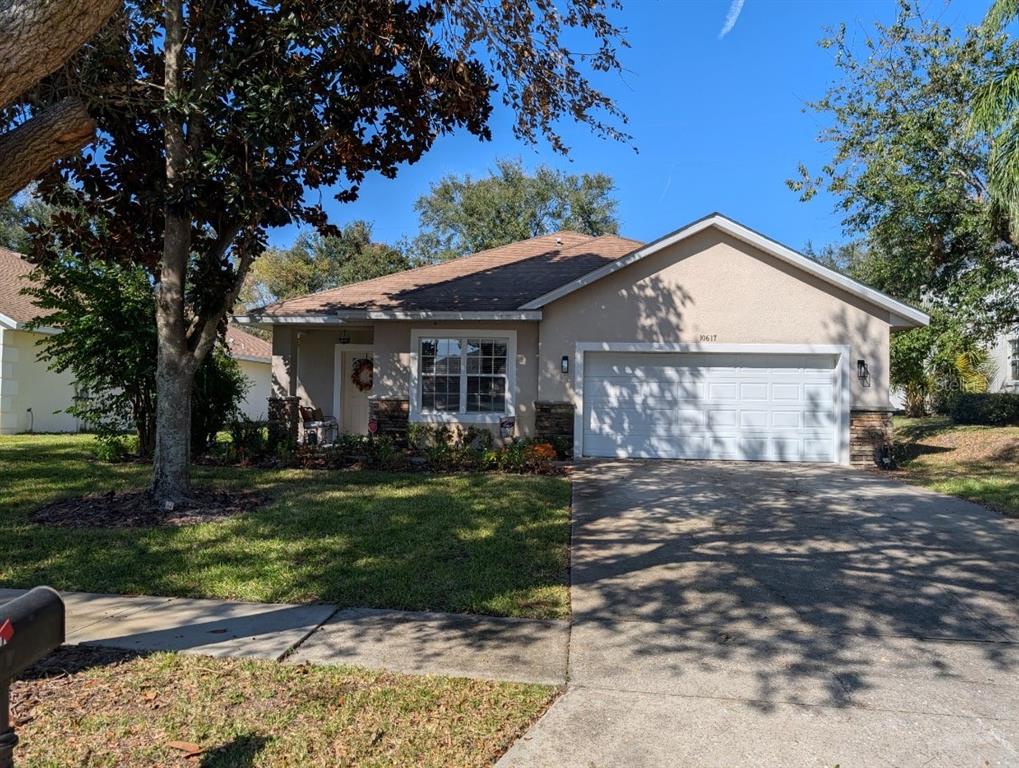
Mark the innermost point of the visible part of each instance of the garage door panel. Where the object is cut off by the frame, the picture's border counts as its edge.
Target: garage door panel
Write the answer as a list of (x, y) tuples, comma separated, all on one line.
[(710, 406), (721, 391), (786, 392), (786, 419)]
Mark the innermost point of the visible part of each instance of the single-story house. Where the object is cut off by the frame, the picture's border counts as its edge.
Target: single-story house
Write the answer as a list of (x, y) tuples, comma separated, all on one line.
[(712, 342), (35, 399)]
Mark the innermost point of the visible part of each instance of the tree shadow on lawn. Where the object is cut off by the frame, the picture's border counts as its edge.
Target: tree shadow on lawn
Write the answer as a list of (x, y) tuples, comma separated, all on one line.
[(464, 543)]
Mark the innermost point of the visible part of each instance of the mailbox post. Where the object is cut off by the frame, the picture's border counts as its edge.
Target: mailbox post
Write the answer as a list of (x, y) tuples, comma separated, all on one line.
[(30, 627)]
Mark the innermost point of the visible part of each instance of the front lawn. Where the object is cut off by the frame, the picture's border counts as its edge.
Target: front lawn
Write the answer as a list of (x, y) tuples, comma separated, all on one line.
[(96, 707), (976, 463), (492, 544)]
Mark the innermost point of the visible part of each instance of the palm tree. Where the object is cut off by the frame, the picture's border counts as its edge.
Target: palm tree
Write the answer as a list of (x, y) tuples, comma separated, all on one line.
[(996, 111)]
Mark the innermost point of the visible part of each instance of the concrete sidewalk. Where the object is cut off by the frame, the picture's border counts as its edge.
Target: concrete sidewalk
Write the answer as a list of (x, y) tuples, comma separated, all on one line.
[(485, 647)]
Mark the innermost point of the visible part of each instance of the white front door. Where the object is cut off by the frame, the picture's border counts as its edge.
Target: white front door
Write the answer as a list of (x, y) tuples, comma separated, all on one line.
[(693, 405), (354, 401)]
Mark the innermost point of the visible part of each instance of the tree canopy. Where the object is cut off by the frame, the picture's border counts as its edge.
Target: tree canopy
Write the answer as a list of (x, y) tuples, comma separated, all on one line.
[(908, 174), (219, 120), (462, 215), (996, 112), (316, 262), (910, 178)]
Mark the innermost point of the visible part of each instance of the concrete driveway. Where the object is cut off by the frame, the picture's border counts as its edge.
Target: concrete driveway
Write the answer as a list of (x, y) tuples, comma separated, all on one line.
[(783, 615)]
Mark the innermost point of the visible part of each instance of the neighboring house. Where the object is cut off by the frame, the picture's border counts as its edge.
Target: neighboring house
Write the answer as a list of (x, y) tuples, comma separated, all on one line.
[(713, 342), (1005, 356), (34, 399), (253, 356)]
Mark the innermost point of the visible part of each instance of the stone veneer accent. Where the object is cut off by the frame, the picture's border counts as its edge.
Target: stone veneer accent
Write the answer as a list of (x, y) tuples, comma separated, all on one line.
[(868, 431), (554, 422), (393, 416)]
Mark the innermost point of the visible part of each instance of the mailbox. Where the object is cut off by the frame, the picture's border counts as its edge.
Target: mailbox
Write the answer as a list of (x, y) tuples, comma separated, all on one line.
[(30, 627)]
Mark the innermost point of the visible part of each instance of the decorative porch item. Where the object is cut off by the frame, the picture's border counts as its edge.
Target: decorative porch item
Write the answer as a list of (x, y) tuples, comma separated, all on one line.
[(362, 376)]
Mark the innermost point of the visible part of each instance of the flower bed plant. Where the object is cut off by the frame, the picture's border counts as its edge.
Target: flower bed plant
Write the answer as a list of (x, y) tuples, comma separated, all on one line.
[(432, 448)]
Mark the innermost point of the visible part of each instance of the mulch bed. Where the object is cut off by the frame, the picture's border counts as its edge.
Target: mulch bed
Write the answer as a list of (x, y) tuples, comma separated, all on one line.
[(136, 509)]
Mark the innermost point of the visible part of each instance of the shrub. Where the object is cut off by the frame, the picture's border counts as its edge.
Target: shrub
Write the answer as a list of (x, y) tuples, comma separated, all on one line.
[(216, 395), (249, 440), (990, 408), (113, 449), (540, 457)]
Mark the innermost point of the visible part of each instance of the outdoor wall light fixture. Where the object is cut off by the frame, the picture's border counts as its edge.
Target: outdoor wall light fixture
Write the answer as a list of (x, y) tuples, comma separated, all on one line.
[(344, 338), (862, 372), (565, 364)]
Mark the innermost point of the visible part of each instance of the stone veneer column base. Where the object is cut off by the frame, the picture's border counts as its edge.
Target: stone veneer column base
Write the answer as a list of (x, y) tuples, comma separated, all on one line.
[(554, 422), (393, 416), (869, 431), (284, 420)]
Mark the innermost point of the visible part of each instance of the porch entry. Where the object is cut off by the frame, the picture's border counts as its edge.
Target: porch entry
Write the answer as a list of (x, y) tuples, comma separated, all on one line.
[(350, 402)]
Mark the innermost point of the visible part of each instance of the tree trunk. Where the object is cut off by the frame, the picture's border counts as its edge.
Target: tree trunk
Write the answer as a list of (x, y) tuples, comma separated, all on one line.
[(38, 36), (30, 149), (175, 367), (171, 468)]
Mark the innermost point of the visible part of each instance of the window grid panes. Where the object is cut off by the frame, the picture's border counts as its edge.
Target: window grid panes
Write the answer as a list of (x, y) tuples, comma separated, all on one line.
[(1015, 359), (463, 375)]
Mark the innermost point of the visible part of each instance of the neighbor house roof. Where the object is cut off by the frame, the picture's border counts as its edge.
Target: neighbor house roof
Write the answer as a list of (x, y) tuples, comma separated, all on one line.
[(498, 280), (17, 310), (245, 346)]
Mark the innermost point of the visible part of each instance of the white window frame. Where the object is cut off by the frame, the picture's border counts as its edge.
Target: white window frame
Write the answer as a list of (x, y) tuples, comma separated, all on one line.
[(1013, 351), (438, 417)]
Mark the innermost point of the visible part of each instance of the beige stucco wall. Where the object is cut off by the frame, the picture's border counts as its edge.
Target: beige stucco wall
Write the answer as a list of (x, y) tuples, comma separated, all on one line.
[(26, 382), (716, 286)]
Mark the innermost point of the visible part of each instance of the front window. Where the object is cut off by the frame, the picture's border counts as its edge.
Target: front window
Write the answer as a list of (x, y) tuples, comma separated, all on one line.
[(463, 375), (1014, 343)]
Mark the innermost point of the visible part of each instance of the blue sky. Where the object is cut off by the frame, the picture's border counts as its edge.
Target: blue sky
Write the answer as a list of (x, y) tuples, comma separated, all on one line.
[(718, 122)]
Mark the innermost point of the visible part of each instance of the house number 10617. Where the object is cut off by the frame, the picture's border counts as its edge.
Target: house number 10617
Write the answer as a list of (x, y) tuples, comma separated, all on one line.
[(708, 337)]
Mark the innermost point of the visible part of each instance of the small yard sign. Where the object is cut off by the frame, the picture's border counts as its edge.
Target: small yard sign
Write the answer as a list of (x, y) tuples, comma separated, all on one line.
[(373, 426)]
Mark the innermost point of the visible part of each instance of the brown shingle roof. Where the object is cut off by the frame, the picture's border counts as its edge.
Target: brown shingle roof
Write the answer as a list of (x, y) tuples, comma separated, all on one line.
[(499, 279), (13, 277), (243, 344)]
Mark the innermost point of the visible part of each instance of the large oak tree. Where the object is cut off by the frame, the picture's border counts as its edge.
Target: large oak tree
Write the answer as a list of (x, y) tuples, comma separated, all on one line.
[(219, 119)]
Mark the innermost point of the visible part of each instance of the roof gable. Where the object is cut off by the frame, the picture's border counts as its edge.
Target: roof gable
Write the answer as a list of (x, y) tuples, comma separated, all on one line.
[(902, 315)]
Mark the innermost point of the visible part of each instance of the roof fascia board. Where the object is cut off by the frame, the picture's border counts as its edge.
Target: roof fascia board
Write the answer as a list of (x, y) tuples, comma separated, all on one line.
[(10, 324), (755, 239), (344, 316)]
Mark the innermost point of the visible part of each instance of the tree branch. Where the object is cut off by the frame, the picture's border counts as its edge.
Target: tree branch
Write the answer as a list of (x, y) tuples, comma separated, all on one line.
[(31, 148), (38, 36)]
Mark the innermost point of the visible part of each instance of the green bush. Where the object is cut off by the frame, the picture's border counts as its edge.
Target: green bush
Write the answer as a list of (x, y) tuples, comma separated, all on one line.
[(249, 439), (113, 449), (990, 408), (216, 396)]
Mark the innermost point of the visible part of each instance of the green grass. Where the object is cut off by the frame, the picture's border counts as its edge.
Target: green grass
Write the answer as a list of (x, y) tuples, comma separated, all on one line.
[(976, 463), (105, 708), (492, 544)]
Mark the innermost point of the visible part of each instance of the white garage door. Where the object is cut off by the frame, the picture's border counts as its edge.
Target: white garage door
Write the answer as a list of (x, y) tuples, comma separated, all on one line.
[(749, 407)]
